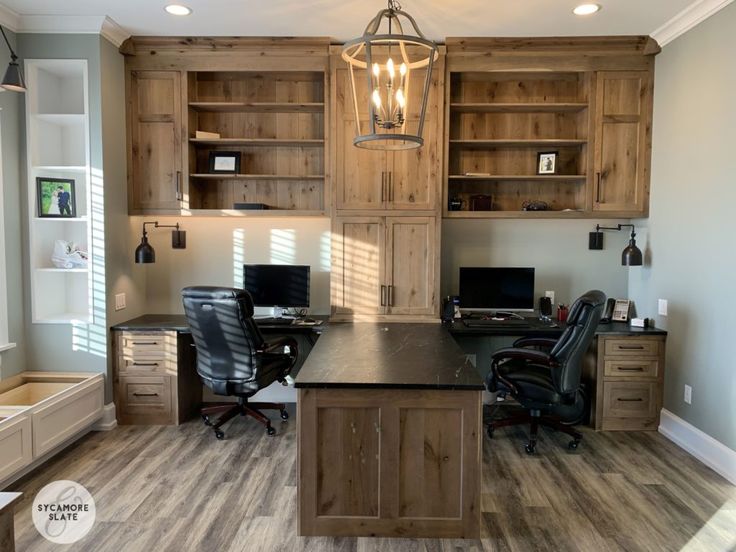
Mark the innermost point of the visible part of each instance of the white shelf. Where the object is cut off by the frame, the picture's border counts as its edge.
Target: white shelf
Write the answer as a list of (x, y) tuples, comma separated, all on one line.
[(60, 219), (64, 318), (62, 118), (61, 168), (64, 270)]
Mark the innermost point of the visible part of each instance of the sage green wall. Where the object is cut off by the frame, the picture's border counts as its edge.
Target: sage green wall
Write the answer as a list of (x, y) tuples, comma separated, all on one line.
[(11, 121), (689, 236)]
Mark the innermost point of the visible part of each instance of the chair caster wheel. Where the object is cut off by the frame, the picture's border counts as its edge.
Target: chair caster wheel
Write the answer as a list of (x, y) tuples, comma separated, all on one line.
[(270, 430), (284, 415), (573, 445), (490, 431), (530, 448), (220, 434), (206, 420)]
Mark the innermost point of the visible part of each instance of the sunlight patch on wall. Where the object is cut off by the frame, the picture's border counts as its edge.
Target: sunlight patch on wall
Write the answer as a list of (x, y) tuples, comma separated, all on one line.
[(283, 246), (238, 257), (325, 250)]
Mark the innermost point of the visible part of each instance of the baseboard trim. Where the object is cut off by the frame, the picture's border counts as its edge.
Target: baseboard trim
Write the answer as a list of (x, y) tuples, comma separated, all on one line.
[(702, 446), (108, 420)]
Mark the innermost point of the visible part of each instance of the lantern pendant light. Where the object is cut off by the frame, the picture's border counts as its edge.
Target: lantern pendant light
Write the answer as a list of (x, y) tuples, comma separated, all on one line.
[(387, 117)]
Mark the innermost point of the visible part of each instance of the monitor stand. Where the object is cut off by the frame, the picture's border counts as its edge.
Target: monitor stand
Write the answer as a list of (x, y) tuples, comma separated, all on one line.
[(280, 312)]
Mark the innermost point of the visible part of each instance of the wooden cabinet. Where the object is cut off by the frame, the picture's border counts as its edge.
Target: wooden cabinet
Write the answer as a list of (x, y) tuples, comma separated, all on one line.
[(389, 463), (154, 141), (622, 141), (408, 180), (629, 382), (384, 266), (154, 380)]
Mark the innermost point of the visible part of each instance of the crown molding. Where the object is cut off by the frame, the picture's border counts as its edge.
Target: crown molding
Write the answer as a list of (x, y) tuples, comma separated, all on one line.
[(113, 32), (9, 19), (687, 19)]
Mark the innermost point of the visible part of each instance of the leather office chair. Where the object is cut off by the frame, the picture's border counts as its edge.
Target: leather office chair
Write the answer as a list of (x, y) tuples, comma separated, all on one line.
[(546, 380), (233, 359)]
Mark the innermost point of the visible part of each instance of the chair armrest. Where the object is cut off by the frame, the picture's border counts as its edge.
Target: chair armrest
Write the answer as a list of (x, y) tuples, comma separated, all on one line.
[(279, 343), (274, 351), (546, 342), (532, 355)]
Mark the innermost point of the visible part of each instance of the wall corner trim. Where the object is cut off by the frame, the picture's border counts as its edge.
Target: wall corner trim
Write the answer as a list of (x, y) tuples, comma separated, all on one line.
[(113, 32), (687, 19), (702, 446), (9, 19), (108, 421)]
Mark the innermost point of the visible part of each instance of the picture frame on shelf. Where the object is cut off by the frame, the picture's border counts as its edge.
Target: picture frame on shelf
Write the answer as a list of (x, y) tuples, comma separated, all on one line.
[(56, 197), (547, 162), (224, 162)]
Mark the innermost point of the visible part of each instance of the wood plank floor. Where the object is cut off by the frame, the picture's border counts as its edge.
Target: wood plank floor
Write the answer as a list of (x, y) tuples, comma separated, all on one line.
[(179, 489)]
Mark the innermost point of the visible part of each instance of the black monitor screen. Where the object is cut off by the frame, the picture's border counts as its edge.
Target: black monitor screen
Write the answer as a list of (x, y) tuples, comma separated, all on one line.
[(496, 288), (277, 285)]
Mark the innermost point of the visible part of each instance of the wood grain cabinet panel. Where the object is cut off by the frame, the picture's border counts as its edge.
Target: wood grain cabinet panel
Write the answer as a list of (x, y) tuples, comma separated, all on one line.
[(144, 399), (629, 399), (154, 148)]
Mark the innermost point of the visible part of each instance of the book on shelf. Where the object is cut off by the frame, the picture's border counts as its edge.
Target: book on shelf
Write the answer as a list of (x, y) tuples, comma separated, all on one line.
[(204, 135)]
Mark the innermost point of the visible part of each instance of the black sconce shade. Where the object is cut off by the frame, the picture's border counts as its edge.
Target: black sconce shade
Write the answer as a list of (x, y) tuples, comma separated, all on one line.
[(631, 256), (144, 253)]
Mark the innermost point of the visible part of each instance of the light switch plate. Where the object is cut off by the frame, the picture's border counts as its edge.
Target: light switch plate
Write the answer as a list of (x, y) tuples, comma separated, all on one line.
[(551, 295), (688, 394), (119, 301), (663, 307)]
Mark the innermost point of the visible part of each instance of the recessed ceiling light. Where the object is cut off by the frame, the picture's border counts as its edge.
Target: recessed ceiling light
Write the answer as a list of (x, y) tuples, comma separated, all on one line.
[(586, 9), (178, 9)]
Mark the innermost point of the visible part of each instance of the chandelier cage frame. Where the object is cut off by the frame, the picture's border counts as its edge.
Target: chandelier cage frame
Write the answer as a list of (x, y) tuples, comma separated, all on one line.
[(400, 138)]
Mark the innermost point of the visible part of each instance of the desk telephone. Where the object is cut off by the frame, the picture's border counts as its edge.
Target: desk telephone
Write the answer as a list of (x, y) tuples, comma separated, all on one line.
[(617, 310)]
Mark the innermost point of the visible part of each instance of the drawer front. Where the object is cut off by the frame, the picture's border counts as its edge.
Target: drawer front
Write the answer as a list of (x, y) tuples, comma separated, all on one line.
[(143, 365), (628, 399), (632, 347), (160, 345), (144, 399), (631, 368)]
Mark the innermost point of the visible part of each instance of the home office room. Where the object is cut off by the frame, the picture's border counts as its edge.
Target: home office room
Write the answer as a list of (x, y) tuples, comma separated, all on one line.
[(364, 276)]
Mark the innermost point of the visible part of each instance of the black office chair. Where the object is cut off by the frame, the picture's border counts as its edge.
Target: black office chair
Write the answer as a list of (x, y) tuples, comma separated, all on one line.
[(546, 380), (232, 357)]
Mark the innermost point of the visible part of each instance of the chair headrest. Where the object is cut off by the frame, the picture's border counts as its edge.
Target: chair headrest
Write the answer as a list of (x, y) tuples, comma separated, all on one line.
[(589, 299), (214, 293)]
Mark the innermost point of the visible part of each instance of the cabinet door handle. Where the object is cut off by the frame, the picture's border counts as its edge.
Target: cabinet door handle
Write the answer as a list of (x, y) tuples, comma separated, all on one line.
[(390, 296), (145, 364), (383, 295), (178, 186), (630, 368), (383, 186), (637, 399), (631, 347), (144, 343), (391, 186), (145, 394), (598, 188)]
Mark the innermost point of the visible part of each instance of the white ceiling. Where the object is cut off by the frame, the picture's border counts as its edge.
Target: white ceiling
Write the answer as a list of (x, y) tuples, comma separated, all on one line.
[(344, 19)]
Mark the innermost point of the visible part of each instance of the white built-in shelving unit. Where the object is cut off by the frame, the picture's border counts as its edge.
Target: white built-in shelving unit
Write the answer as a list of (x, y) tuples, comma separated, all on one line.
[(58, 146)]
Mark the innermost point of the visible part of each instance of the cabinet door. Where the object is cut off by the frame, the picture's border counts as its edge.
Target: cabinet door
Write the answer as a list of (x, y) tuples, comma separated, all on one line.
[(362, 175), (358, 266), (623, 141), (155, 126), (411, 273)]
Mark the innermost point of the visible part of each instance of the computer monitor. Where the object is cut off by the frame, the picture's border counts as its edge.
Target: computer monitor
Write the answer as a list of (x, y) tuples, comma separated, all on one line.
[(273, 285), (496, 288)]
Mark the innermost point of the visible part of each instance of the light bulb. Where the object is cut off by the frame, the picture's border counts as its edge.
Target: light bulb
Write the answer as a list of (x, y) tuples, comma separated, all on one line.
[(586, 9), (402, 69), (377, 99), (178, 9), (376, 70), (400, 98), (390, 68)]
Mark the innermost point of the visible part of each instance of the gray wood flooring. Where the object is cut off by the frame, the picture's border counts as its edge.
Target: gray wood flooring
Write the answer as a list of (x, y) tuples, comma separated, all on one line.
[(179, 489)]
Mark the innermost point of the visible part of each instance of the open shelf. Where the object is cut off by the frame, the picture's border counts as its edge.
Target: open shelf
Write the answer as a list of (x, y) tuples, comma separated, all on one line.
[(60, 219), (67, 270), (64, 318), (208, 176), (517, 177), (257, 213), (62, 118), (535, 142), (572, 214), (258, 107), (521, 107), (61, 168), (266, 142)]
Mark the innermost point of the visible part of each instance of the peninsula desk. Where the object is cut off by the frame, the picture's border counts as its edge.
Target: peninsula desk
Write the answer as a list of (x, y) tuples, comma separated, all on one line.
[(389, 434)]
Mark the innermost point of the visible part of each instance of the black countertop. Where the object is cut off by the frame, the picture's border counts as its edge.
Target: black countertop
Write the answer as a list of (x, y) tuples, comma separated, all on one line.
[(178, 323), (383, 355), (537, 328)]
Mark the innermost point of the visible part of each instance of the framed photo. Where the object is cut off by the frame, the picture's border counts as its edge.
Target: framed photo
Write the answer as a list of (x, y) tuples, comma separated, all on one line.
[(56, 198), (547, 162), (225, 162)]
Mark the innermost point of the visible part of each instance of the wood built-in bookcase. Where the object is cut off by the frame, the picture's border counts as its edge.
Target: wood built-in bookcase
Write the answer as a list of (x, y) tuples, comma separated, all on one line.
[(276, 121), (498, 123)]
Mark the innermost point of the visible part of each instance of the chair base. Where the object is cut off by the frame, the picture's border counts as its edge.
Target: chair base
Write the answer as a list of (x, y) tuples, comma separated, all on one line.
[(535, 418), (242, 408)]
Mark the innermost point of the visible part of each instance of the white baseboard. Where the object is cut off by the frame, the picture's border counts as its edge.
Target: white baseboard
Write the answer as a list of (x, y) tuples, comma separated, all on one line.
[(108, 420), (702, 446)]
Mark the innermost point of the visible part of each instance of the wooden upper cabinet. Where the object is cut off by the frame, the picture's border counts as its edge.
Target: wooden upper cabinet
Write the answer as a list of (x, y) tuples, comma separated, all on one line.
[(154, 135), (411, 246), (623, 122), (362, 173)]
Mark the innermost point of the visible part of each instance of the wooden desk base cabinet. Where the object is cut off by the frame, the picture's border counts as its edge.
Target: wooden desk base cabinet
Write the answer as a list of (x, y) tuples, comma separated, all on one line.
[(389, 462)]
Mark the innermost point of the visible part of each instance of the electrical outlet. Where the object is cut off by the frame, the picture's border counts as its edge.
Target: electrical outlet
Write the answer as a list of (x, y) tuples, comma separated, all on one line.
[(119, 301), (663, 307), (551, 295), (688, 394)]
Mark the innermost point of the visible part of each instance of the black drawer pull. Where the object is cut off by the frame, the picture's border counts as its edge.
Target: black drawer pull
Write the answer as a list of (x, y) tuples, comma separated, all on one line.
[(145, 364), (145, 394), (631, 347), (144, 342), (638, 399), (630, 368)]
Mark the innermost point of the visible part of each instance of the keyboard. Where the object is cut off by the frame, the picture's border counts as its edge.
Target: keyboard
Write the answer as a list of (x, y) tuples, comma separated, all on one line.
[(274, 321), (510, 323)]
